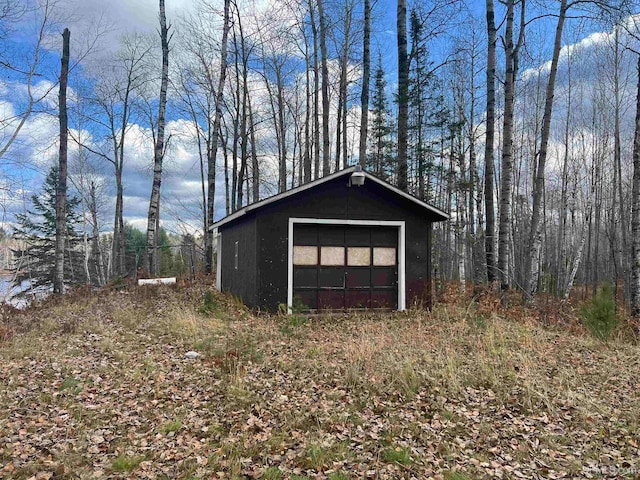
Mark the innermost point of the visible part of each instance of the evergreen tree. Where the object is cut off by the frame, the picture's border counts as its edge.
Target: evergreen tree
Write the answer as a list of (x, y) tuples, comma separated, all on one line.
[(380, 160), (428, 115), (135, 244), (36, 229), (135, 241)]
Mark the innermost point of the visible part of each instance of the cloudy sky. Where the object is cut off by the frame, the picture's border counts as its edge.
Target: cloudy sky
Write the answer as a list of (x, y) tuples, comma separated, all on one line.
[(97, 27)]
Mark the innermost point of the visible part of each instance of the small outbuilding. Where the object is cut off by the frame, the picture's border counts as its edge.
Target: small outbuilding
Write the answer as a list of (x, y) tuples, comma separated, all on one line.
[(346, 241)]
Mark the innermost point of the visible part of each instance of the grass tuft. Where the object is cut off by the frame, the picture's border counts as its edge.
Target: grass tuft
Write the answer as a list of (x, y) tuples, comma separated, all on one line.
[(126, 463), (396, 455), (272, 473)]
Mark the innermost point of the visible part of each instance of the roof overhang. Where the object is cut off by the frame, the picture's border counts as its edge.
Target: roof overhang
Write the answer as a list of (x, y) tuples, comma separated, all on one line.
[(347, 171)]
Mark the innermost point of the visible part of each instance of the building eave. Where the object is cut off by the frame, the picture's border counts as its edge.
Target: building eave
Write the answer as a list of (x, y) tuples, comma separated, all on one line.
[(347, 171)]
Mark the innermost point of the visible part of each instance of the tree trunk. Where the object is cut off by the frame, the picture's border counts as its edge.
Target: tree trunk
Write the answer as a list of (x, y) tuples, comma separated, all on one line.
[(622, 247), (535, 237), (490, 227), (211, 168), (255, 169), (339, 123), (307, 115), (283, 131), (403, 95), (325, 90), (61, 193), (635, 212), (153, 217), (316, 95), (507, 152), (95, 240), (366, 77)]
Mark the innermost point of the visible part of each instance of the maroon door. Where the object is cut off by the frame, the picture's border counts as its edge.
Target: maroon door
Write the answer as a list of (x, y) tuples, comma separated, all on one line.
[(339, 267)]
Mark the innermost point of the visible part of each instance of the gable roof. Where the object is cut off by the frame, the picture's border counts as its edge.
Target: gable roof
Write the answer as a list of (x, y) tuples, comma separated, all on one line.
[(347, 171)]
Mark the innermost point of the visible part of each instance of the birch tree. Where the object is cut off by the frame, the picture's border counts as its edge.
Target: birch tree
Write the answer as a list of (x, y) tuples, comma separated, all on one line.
[(535, 237), (152, 257), (635, 210), (511, 67), (211, 171), (489, 175)]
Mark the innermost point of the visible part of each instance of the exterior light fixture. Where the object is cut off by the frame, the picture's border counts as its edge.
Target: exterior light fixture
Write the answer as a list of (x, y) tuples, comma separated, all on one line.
[(357, 177)]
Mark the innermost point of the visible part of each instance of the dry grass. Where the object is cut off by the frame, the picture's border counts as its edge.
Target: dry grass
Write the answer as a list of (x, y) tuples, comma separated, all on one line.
[(102, 389)]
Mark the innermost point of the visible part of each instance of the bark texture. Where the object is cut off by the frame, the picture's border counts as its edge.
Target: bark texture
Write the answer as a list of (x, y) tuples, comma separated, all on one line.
[(153, 217), (403, 95), (535, 237), (366, 78), (61, 193), (325, 90), (211, 168), (635, 212), (490, 227)]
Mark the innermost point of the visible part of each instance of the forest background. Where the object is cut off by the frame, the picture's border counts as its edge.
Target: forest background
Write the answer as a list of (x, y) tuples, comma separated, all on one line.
[(518, 118)]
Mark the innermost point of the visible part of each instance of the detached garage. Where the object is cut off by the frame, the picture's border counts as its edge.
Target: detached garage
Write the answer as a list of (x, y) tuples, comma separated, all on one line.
[(345, 241)]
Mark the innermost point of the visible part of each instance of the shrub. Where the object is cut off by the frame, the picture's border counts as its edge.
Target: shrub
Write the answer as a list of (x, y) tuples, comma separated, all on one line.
[(599, 316)]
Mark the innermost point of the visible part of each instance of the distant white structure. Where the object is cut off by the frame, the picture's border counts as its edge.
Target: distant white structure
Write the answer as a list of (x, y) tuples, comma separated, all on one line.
[(157, 281)]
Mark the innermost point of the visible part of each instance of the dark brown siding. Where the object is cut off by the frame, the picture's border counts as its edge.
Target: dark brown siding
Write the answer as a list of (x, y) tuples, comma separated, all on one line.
[(241, 282), (335, 199)]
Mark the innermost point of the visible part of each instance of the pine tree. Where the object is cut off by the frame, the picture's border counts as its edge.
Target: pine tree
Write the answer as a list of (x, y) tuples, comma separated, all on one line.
[(428, 114), (37, 230), (380, 161)]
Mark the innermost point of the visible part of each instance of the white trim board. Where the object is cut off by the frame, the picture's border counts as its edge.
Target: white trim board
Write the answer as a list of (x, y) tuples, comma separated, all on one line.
[(219, 261), (400, 224)]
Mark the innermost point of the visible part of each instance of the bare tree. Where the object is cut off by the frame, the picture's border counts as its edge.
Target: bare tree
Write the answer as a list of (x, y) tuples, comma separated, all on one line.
[(403, 95), (635, 210), (29, 72), (511, 67), (325, 89), (490, 227), (61, 192), (348, 33), (366, 79), (211, 172), (152, 256), (535, 237), (113, 101)]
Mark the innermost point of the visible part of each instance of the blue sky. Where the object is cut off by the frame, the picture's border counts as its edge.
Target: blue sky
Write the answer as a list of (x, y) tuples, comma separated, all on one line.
[(23, 167)]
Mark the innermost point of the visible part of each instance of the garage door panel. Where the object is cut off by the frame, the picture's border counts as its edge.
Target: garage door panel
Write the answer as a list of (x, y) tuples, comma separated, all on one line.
[(307, 299), (357, 299), (331, 278), (384, 298), (330, 299), (330, 235), (305, 235), (358, 236), (358, 278), (384, 277), (305, 277), (352, 267), (384, 237)]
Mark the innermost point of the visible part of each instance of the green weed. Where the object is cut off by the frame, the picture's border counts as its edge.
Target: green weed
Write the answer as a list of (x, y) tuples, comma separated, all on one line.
[(396, 455), (125, 463), (600, 316)]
